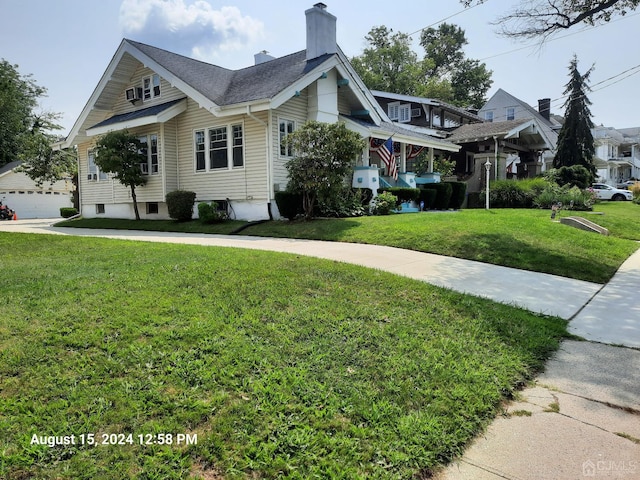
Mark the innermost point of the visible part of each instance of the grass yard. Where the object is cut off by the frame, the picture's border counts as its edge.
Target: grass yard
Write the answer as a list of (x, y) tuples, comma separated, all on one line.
[(525, 239), (282, 366)]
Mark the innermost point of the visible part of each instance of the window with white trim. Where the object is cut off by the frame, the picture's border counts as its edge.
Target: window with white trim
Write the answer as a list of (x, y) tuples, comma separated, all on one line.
[(286, 127), (95, 175), (218, 148), (399, 112), (511, 113), (393, 110), (151, 87), (488, 116), (149, 147)]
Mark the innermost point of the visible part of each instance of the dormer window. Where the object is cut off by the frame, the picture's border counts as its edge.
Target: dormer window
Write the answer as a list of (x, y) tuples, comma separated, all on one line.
[(399, 112), (151, 87)]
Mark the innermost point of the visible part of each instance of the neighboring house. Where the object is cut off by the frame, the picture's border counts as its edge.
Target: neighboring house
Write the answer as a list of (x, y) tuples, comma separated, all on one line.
[(28, 200), (220, 132), (617, 155), (435, 117), (514, 148)]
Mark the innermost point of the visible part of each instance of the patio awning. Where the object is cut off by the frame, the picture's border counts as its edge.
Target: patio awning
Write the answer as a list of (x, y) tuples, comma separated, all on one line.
[(146, 116)]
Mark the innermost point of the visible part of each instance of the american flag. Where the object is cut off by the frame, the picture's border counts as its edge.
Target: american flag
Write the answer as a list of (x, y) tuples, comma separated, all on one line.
[(384, 149)]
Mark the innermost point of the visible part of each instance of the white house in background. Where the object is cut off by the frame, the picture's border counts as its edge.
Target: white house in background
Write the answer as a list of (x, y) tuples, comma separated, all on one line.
[(504, 107), (29, 200), (617, 155), (220, 132)]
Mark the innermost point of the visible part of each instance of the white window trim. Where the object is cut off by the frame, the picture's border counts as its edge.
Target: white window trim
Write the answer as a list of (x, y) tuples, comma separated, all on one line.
[(151, 90), (281, 138), (506, 113), (404, 113), (149, 164), (98, 175), (488, 116), (230, 146)]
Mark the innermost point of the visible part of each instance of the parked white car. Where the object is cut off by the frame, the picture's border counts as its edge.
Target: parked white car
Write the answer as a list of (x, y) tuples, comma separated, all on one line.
[(607, 192)]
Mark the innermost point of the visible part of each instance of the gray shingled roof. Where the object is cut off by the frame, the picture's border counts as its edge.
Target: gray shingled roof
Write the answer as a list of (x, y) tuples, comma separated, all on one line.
[(9, 166), (145, 112), (228, 87), (475, 131)]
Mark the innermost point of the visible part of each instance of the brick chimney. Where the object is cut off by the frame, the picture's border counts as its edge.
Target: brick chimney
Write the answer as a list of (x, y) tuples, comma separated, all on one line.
[(321, 31), (544, 107)]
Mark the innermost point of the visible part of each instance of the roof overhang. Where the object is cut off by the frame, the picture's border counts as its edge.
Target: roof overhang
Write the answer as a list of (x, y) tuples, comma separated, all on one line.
[(140, 118), (386, 130)]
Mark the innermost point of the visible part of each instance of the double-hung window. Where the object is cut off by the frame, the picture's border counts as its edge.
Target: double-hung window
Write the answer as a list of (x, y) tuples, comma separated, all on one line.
[(94, 171), (151, 87), (488, 116), (219, 148), (286, 127), (149, 147), (399, 112), (511, 113)]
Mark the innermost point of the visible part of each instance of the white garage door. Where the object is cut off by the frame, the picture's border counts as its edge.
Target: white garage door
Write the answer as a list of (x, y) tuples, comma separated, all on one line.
[(36, 204)]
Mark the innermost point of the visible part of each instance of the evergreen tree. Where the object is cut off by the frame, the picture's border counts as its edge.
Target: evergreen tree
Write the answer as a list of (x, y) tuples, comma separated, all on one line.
[(575, 140)]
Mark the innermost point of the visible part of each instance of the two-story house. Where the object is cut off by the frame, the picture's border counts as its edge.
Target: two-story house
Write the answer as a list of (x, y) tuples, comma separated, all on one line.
[(617, 155)]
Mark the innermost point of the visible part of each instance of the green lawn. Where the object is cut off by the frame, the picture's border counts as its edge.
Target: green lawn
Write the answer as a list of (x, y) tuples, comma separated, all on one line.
[(284, 367), (525, 239)]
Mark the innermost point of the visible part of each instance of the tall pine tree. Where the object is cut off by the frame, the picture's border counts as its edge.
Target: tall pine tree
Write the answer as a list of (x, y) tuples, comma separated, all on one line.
[(575, 140)]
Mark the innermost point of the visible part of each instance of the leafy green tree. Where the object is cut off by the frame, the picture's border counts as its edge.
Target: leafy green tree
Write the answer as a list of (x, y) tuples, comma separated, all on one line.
[(121, 153), (542, 18), (388, 63), (324, 153), (575, 140), (18, 99)]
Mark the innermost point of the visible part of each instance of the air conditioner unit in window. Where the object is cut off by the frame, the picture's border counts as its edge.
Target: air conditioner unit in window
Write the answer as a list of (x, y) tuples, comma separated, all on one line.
[(416, 112), (134, 94)]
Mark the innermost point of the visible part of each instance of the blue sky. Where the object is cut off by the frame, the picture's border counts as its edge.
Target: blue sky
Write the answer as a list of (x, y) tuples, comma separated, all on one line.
[(67, 44)]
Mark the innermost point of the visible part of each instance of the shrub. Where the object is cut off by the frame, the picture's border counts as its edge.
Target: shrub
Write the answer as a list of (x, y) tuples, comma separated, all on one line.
[(572, 198), (575, 175), (210, 213), (180, 205), (384, 204), (348, 202), (404, 194), (67, 212), (443, 194), (289, 204), (459, 191), (474, 200), (507, 194), (428, 196)]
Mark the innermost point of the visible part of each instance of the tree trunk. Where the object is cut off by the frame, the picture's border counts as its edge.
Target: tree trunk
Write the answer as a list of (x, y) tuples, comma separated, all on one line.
[(135, 203)]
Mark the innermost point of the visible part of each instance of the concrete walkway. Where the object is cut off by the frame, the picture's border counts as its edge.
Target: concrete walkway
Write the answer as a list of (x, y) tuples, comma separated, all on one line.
[(580, 419)]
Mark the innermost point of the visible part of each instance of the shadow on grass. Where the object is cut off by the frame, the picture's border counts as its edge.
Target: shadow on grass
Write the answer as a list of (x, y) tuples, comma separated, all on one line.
[(504, 250)]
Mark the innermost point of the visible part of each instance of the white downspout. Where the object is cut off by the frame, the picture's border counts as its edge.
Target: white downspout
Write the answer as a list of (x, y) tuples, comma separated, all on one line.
[(495, 160)]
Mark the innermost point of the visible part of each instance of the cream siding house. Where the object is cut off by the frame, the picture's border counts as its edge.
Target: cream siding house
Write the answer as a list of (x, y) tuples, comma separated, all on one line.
[(219, 132)]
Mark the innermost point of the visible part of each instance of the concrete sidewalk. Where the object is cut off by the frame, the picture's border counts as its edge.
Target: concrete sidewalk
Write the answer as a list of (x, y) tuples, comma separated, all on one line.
[(580, 419)]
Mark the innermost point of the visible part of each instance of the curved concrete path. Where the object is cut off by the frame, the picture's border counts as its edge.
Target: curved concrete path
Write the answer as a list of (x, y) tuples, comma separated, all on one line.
[(580, 419)]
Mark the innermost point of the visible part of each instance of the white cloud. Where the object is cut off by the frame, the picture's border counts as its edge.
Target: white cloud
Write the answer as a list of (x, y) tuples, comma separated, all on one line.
[(194, 28)]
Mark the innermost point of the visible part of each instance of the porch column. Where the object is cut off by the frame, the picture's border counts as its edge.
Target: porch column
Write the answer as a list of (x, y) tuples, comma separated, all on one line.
[(365, 156), (403, 157), (430, 159)]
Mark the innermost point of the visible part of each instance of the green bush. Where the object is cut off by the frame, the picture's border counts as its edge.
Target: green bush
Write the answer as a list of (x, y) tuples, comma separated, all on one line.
[(443, 194), (289, 204), (210, 213), (575, 175), (428, 196), (404, 194), (571, 198), (344, 203), (474, 200), (67, 212), (385, 203), (458, 193), (509, 194), (180, 205)]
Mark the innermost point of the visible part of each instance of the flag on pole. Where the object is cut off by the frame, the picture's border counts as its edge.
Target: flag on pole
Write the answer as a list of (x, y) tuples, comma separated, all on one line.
[(384, 149)]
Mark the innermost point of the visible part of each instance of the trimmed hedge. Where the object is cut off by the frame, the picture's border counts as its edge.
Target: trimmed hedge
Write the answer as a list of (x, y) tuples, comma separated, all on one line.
[(459, 191), (289, 204), (443, 195), (180, 205), (67, 212), (428, 196), (404, 194)]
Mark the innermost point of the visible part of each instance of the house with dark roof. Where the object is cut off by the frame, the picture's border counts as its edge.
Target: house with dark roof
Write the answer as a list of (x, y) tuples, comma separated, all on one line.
[(514, 138), (219, 132)]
